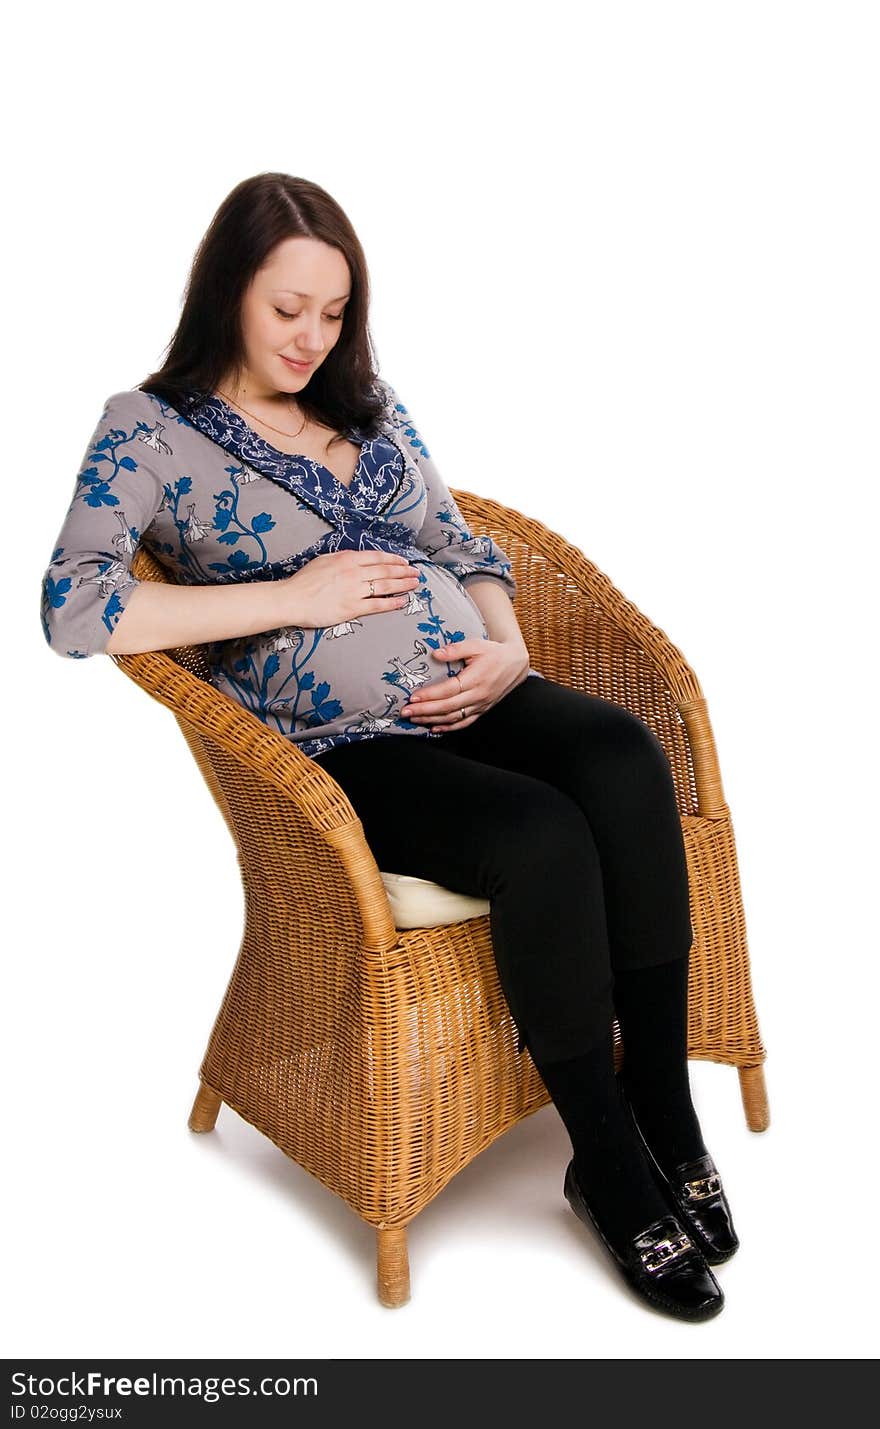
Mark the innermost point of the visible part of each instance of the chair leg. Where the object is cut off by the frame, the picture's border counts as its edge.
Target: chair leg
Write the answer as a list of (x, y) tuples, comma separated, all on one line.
[(753, 1090), (392, 1266), (204, 1110)]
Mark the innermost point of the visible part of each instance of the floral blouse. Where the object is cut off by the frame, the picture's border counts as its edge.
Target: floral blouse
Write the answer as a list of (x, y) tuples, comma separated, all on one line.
[(213, 502)]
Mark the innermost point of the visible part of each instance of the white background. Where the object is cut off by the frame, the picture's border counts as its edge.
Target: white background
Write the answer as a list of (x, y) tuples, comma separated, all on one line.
[(624, 269)]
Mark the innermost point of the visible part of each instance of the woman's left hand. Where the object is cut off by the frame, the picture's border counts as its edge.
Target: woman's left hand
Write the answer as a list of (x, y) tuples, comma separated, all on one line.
[(492, 669)]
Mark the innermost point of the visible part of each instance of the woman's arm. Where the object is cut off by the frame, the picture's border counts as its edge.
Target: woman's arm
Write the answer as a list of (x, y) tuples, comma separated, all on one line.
[(163, 617)]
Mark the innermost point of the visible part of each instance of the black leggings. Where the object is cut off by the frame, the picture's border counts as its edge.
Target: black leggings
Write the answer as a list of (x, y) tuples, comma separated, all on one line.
[(559, 808)]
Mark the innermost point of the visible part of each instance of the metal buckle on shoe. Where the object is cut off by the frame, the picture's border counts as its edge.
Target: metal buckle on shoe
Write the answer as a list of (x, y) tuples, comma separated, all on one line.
[(665, 1251), (705, 1186)]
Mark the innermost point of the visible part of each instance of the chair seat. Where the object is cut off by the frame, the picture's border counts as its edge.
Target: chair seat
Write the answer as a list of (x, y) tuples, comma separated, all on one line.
[(419, 903)]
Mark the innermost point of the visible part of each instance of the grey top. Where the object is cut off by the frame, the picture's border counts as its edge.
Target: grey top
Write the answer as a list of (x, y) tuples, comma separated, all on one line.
[(213, 502)]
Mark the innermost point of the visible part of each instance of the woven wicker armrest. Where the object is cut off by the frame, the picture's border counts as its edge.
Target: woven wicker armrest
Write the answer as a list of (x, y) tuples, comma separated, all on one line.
[(267, 755), (572, 605), (266, 788)]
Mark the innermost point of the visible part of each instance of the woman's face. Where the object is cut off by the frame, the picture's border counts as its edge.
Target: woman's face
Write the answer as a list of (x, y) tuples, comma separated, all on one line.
[(293, 308)]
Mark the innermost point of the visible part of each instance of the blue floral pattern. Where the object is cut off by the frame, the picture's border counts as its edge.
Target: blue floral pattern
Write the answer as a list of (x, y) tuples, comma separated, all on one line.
[(215, 503)]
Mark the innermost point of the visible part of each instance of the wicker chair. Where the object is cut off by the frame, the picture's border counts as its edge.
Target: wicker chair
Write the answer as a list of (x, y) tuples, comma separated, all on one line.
[(382, 1059)]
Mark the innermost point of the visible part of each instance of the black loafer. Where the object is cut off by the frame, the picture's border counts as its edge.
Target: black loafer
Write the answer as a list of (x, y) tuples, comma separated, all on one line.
[(696, 1195), (662, 1263)]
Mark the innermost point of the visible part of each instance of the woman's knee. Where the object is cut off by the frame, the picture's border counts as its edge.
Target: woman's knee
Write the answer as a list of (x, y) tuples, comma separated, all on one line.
[(547, 835), (621, 740), (594, 729)]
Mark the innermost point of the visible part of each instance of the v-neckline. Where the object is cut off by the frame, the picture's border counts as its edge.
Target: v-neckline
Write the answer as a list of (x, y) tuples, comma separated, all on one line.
[(297, 456), (313, 461)]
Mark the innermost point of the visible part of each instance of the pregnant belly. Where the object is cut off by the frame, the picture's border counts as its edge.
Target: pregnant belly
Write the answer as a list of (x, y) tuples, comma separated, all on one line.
[(356, 675)]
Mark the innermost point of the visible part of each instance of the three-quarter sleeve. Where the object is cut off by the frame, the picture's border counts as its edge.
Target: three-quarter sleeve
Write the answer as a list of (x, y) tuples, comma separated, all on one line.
[(118, 491), (444, 534)]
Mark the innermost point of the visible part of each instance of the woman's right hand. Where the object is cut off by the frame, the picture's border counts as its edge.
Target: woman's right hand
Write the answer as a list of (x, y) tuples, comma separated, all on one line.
[(335, 587)]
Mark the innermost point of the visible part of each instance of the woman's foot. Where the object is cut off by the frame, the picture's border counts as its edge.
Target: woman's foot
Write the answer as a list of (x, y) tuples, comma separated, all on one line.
[(651, 1005), (661, 1263), (612, 1169), (696, 1196), (610, 1187)]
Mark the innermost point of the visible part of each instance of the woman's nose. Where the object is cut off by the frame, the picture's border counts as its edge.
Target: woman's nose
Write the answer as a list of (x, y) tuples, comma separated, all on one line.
[(312, 339)]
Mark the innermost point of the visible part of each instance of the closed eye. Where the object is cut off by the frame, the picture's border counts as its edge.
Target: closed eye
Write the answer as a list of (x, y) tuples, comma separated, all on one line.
[(331, 317)]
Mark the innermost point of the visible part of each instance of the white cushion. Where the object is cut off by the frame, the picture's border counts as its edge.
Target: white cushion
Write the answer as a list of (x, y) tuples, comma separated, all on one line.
[(418, 903)]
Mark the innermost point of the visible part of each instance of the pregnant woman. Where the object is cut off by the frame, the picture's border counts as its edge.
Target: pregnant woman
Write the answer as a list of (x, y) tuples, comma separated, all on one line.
[(318, 554)]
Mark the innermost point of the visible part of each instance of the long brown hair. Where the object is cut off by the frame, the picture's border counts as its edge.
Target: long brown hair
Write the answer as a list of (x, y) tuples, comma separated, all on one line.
[(257, 215)]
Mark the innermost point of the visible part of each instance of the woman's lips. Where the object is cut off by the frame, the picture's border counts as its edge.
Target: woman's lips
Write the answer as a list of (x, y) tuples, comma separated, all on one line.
[(297, 366)]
